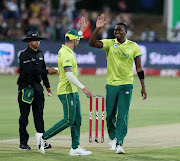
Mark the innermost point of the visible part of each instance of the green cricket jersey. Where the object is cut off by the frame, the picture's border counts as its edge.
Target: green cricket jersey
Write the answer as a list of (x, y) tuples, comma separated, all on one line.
[(120, 59), (66, 58)]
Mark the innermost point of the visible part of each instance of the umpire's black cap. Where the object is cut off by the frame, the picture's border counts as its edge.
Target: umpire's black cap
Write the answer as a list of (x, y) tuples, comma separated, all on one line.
[(33, 36)]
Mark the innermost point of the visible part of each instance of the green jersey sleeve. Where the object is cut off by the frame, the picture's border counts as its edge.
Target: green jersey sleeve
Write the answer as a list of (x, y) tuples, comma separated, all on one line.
[(137, 51), (105, 44)]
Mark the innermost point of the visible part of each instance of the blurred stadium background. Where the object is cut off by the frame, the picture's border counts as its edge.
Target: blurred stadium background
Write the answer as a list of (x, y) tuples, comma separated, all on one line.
[(153, 24)]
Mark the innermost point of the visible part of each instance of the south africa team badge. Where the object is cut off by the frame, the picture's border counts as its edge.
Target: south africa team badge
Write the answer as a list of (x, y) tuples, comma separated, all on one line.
[(115, 45)]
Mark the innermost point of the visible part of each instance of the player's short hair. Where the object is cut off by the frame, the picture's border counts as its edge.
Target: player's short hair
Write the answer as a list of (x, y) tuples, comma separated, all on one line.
[(123, 24)]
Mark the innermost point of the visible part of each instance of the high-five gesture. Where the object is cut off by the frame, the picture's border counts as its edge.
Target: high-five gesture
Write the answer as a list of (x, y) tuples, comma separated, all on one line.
[(100, 21), (83, 24)]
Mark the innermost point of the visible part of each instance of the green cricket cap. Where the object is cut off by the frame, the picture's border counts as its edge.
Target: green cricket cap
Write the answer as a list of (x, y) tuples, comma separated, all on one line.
[(73, 34)]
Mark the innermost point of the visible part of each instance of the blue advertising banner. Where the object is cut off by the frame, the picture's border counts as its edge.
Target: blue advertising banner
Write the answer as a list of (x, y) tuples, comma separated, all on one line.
[(160, 55), (154, 55)]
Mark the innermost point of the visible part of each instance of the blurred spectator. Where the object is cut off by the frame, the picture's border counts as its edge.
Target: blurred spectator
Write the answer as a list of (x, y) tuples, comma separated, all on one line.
[(70, 3), (20, 16), (22, 5), (33, 23), (65, 13), (24, 20), (93, 20), (3, 28), (20, 34), (148, 34), (70, 8), (44, 17), (11, 10), (122, 6), (46, 7), (66, 24), (59, 31), (107, 14), (43, 31), (66, 8), (46, 23), (35, 7)]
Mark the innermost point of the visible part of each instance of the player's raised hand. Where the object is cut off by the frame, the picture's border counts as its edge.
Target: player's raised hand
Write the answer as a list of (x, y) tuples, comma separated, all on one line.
[(83, 24), (100, 21)]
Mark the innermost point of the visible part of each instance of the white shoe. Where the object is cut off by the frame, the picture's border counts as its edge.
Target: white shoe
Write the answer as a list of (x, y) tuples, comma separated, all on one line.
[(112, 144), (40, 142), (79, 151), (119, 150)]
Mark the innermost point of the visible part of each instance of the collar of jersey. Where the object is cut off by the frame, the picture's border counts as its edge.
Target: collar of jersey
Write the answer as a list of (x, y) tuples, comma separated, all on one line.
[(67, 48), (126, 41)]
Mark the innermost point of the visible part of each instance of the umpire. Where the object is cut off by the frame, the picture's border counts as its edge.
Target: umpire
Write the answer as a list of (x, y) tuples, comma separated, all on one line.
[(32, 70)]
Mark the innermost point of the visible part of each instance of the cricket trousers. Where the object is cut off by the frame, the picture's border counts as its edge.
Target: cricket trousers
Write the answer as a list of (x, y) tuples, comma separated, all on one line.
[(118, 100), (72, 118), (37, 109)]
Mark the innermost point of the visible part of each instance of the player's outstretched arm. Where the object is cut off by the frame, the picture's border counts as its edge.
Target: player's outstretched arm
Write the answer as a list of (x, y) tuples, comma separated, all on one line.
[(93, 42), (75, 81), (140, 73)]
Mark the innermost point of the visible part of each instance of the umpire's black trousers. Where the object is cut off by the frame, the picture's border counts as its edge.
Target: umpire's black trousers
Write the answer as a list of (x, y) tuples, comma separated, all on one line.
[(37, 109)]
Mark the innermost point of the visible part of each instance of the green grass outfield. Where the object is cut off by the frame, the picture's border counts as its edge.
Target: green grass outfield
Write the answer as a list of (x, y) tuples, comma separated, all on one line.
[(161, 109)]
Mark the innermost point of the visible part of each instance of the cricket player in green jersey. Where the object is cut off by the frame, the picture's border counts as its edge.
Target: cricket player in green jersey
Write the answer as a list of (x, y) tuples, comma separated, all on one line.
[(120, 54), (67, 93)]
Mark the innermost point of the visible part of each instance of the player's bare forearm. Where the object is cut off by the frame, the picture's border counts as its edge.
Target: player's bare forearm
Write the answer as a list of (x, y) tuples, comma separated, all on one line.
[(142, 83), (143, 89), (93, 42), (140, 69), (140, 73)]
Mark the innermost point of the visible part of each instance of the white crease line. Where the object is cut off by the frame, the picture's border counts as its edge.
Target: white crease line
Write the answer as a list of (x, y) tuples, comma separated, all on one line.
[(9, 140)]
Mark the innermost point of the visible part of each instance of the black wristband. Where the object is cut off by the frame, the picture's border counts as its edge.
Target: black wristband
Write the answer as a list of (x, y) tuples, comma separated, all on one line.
[(140, 75)]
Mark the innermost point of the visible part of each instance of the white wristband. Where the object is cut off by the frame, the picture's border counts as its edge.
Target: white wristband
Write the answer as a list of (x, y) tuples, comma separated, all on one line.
[(80, 33), (74, 80)]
